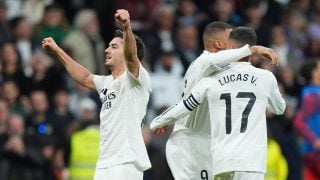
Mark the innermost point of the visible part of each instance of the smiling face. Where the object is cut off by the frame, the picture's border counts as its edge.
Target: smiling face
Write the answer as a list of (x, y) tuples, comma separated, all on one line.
[(114, 53)]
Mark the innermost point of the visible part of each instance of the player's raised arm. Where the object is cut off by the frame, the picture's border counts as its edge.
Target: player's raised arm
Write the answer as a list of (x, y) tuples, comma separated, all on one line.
[(122, 17), (76, 71)]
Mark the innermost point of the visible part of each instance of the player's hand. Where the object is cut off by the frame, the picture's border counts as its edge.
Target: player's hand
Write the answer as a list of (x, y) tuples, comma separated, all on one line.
[(122, 18), (159, 131), (50, 44), (267, 53)]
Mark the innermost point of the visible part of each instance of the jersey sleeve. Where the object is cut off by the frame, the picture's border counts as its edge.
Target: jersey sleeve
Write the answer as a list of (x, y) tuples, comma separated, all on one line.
[(183, 108), (99, 81), (170, 116), (276, 103), (198, 92), (213, 62), (143, 80)]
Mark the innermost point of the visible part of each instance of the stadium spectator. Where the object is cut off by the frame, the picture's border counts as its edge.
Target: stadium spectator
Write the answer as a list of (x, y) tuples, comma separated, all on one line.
[(90, 45), (307, 120), (53, 24)]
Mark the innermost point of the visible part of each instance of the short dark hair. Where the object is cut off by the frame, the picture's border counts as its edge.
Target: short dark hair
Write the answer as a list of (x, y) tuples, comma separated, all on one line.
[(215, 27), (308, 68), (243, 35), (141, 48), (13, 23), (53, 6)]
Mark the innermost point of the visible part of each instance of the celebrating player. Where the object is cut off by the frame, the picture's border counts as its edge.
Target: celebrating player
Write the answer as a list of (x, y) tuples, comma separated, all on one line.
[(124, 94), (188, 148), (237, 99)]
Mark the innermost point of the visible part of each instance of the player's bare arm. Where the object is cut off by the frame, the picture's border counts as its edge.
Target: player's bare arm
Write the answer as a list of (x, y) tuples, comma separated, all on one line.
[(76, 71), (122, 17)]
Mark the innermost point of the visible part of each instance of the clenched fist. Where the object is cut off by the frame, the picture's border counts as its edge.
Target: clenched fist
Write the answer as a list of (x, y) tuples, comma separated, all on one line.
[(50, 44), (122, 18)]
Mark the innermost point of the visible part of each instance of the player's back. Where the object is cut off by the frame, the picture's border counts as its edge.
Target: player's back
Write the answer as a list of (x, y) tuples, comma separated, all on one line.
[(238, 98), (193, 75), (206, 64)]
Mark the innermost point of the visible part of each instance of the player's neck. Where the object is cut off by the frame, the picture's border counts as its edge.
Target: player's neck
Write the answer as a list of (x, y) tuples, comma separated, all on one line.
[(212, 49), (117, 71)]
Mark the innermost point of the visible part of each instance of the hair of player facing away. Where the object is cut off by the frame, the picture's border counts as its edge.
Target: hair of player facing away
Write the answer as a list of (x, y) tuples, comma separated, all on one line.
[(243, 36)]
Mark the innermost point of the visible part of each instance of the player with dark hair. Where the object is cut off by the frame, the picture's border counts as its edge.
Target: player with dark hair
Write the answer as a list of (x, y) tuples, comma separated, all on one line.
[(237, 99), (124, 95), (188, 147)]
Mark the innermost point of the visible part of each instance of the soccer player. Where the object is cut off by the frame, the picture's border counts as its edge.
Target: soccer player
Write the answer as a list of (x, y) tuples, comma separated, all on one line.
[(124, 94), (237, 99), (188, 147)]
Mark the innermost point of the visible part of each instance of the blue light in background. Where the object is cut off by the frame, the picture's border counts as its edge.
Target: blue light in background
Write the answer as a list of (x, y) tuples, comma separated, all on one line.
[(42, 129)]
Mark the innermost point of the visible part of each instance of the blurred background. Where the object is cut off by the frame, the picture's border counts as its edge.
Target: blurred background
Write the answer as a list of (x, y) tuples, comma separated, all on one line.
[(49, 124)]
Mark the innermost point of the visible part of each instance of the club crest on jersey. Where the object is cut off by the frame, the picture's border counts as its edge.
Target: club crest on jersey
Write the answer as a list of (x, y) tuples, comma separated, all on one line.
[(107, 98)]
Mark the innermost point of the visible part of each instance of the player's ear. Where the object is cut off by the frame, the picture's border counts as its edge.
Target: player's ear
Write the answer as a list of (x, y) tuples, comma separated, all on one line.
[(218, 44)]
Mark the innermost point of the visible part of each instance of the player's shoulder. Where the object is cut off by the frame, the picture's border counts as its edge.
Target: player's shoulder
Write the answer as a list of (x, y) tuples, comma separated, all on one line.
[(101, 81), (102, 78), (266, 74), (209, 81), (199, 61)]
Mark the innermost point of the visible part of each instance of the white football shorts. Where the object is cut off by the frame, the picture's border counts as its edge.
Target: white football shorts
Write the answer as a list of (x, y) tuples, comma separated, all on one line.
[(240, 175), (126, 171), (188, 155)]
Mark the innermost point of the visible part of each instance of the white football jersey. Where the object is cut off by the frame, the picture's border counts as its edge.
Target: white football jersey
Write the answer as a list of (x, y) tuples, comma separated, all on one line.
[(238, 98), (204, 65), (124, 105)]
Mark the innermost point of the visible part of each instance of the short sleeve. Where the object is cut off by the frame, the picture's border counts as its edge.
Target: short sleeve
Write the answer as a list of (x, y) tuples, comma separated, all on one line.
[(99, 81), (200, 89), (143, 80)]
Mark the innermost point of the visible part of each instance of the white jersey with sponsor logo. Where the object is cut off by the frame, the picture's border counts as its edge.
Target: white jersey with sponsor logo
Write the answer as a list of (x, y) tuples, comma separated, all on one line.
[(124, 104), (238, 98), (204, 65)]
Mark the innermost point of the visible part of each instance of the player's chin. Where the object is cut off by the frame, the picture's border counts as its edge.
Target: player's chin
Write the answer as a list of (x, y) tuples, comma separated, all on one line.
[(107, 61), (108, 64)]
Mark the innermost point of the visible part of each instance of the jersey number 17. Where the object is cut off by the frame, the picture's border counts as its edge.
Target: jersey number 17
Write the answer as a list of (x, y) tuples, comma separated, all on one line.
[(245, 113)]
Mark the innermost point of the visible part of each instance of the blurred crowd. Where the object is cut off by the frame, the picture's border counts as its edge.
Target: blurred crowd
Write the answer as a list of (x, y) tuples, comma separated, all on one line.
[(49, 123)]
